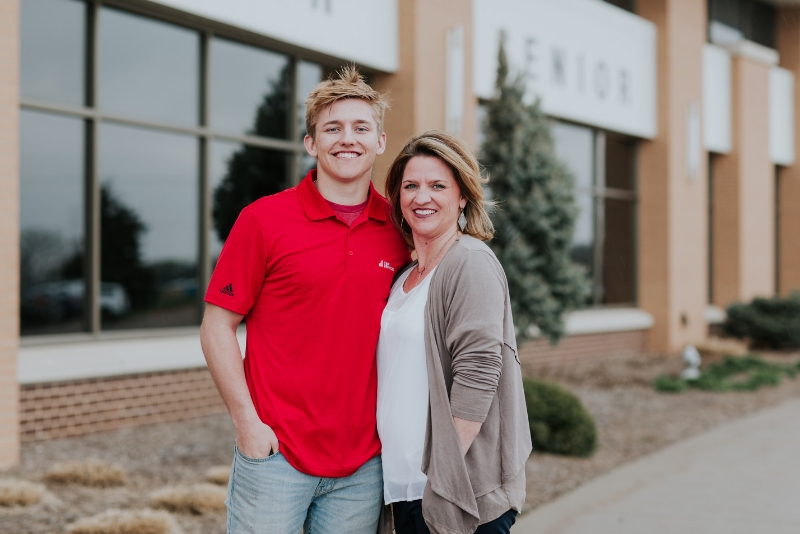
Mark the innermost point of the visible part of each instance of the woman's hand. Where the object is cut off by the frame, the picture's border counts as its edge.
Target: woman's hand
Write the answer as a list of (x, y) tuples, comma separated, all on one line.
[(467, 432)]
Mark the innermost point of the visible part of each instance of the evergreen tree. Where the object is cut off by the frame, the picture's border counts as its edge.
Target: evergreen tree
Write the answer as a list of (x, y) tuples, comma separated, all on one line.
[(536, 211)]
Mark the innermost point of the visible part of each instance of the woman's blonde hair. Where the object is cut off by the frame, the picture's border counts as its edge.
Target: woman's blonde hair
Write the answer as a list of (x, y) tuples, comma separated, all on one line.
[(457, 155), (341, 85)]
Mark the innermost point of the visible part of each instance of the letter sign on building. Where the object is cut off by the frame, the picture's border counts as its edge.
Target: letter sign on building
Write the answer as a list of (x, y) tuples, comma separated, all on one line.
[(587, 61)]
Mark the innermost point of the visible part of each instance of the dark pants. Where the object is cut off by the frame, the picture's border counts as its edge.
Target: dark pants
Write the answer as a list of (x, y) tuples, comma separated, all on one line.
[(408, 520)]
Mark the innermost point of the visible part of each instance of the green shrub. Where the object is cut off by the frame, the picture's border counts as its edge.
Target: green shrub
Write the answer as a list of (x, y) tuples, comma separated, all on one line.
[(669, 384), (746, 373), (768, 322), (559, 423)]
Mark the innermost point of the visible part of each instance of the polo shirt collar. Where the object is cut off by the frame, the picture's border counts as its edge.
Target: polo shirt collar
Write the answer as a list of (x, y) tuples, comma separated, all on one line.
[(317, 208)]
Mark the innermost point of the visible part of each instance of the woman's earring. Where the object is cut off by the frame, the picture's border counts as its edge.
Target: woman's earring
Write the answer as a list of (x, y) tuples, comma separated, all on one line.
[(462, 221)]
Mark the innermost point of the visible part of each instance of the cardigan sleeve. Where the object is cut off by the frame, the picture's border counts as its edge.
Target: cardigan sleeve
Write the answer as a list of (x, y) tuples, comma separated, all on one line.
[(474, 334)]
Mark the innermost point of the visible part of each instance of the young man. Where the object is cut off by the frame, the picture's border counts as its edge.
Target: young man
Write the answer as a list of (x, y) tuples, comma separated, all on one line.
[(310, 270)]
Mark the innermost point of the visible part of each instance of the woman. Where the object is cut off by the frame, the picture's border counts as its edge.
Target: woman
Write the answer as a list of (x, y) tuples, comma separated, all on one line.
[(451, 410)]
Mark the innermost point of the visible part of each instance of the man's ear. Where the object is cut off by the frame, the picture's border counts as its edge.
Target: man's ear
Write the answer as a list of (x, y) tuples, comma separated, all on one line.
[(381, 144), (311, 146)]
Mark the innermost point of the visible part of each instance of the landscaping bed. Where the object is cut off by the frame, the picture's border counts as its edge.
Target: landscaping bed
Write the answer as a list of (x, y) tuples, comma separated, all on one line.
[(632, 420)]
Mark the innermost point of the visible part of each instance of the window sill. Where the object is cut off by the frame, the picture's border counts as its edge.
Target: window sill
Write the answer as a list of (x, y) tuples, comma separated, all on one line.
[(81, 357), (604, 320)]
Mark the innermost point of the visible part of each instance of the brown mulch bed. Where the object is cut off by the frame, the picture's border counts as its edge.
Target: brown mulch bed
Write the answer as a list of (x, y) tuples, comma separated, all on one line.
[(632, 420)]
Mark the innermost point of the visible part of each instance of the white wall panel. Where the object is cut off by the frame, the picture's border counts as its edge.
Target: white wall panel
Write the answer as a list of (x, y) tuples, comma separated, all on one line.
[(717, 105), (364, 31), (781, 116), (587, 60)]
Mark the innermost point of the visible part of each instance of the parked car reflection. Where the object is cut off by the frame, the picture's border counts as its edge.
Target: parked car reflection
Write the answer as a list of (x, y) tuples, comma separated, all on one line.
[(58, 301)]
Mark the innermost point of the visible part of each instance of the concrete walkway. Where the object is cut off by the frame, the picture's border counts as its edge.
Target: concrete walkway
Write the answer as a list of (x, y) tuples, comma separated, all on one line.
[(740, 478)]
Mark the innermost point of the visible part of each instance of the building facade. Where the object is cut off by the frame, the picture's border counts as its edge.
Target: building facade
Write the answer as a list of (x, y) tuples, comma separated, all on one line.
[(134, 131)]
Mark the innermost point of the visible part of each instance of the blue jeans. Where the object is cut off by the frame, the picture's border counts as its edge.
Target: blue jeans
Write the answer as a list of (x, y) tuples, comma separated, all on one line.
[(269, 496)]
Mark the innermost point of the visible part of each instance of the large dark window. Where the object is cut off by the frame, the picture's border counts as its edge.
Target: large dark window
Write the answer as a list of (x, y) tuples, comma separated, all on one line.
[(141, 140), (604, 239), (51, 223), (755, 20)]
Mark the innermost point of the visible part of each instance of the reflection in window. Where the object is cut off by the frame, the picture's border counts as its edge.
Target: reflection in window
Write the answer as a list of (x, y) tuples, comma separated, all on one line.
[(249, 90), (583, 238), (574, 145), (51, 223), (241, 174), (148, 228), (148, 69), (53, 64), (308, 76)]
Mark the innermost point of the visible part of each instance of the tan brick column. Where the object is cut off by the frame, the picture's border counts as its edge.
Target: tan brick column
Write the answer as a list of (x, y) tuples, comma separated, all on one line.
[(673, 252), (9, 237), (744, 193), (789, 178), (417, 89)]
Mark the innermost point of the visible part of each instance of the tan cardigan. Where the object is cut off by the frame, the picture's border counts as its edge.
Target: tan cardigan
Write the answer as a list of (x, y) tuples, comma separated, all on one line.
[(473, 374)]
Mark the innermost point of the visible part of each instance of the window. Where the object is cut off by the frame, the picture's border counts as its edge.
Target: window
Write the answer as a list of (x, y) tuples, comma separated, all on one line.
[(627, 5), (52, 223), (604, 241), (753, 19), (137, 157)]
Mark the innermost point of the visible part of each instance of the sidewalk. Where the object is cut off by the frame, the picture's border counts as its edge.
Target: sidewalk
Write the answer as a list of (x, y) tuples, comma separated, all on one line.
[(740, 478)]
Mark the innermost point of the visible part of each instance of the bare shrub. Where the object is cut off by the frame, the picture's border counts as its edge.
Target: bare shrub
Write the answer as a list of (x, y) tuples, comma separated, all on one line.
[(196, 499), (15, 492), (97, 473), (127, 522), (219, 475), (717, 347)]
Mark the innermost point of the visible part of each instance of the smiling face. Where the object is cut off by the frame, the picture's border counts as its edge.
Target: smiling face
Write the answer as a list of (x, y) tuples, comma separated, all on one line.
[(430, 198), (346, 142)]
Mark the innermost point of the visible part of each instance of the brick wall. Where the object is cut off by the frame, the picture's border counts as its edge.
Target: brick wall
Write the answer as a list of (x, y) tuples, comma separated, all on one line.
[(540, 353), (77, 407), (9, 222)]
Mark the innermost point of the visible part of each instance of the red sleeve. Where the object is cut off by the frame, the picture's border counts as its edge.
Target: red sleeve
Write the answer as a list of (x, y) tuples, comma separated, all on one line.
[(241, 268)]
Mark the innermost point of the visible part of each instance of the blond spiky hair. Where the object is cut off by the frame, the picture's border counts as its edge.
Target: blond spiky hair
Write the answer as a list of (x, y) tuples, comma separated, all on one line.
[(346, 83)]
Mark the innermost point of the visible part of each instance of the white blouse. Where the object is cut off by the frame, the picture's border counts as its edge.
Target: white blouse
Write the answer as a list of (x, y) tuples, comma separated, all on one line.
[(403, 391)]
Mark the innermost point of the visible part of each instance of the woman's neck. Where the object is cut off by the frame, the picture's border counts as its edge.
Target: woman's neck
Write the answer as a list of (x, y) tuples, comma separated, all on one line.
[(431, 250)]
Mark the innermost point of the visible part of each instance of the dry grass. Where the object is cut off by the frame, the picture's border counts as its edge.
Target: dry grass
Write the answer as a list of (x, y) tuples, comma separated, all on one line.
[(15, 492), (196, 499), (97, 473), (219, 475), (717, 347), (127, 522)]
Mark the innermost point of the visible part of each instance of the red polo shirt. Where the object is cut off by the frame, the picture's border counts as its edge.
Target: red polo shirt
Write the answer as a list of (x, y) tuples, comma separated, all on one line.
[(313, 290)]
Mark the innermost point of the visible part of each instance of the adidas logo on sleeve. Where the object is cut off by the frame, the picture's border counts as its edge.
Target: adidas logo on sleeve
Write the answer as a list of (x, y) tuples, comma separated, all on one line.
[(227, 290)]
